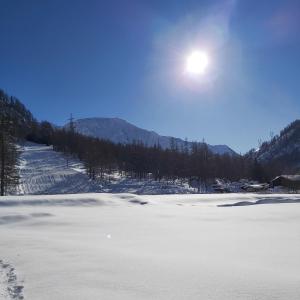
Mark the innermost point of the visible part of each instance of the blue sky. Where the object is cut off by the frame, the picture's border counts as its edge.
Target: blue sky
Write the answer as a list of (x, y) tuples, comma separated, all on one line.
[(126, 59)]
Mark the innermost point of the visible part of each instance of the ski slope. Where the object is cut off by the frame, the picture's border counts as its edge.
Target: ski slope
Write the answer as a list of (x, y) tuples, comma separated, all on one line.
[(132, 247), (44, 171)]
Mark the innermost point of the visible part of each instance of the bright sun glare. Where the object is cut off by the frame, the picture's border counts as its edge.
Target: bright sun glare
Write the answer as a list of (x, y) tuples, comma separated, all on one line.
[(197, 62)]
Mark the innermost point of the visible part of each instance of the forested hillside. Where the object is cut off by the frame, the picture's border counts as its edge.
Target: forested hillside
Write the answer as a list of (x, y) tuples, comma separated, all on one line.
[(20, 117), (16, 122), (137, 160), (282, 153)]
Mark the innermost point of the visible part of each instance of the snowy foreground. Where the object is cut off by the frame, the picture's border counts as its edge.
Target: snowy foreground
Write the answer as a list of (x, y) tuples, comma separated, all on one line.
[(124, 246)]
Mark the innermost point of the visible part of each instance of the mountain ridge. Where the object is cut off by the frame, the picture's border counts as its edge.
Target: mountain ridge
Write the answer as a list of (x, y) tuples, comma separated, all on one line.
[(283, 150), (121, 131)]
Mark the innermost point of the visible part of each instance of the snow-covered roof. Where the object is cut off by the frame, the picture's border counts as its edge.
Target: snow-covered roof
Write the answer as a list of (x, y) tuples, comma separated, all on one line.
[(290, 177)]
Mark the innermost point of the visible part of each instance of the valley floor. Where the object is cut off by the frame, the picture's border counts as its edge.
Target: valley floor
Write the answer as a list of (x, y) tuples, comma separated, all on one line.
[(125, 246)]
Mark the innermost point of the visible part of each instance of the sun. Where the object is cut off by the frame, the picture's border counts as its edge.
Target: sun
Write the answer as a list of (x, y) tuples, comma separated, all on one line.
[(197, 62)]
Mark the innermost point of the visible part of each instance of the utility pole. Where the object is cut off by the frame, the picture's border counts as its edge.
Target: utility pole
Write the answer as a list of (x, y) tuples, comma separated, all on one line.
[(71, 136), (71, 123)]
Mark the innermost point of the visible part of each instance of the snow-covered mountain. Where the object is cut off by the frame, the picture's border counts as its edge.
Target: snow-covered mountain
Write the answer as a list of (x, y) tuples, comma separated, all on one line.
[(120, 131)]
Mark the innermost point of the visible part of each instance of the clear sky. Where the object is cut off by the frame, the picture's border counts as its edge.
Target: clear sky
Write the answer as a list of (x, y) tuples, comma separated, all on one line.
[(126, 59)]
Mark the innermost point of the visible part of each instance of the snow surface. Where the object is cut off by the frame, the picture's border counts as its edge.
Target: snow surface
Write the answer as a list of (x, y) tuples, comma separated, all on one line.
[(9, 287), (128, 246), (125, 246)]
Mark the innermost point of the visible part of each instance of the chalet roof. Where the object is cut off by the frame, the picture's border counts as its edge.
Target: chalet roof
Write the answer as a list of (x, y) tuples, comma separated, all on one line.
[(289, 177)]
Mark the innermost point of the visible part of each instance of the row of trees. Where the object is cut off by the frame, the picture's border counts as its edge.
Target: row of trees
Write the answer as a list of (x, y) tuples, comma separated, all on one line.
[(8, 157), (10, 129)]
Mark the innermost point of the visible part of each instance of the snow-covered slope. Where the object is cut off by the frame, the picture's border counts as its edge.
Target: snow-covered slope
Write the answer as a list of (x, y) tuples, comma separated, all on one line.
[(120, 131), (44, 171), (129, 247)]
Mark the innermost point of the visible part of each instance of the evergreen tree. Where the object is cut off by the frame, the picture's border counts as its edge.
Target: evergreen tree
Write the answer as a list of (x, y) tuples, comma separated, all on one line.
[(8, 156)]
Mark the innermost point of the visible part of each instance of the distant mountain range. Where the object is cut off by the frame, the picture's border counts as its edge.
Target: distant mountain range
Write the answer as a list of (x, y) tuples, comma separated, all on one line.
[(121, 131)]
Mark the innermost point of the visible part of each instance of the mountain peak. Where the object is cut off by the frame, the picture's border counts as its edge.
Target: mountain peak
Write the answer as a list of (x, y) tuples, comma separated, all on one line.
[(120, 131)]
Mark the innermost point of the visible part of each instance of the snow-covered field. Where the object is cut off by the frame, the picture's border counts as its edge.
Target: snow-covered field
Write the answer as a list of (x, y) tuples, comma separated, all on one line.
[(124, 246)]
